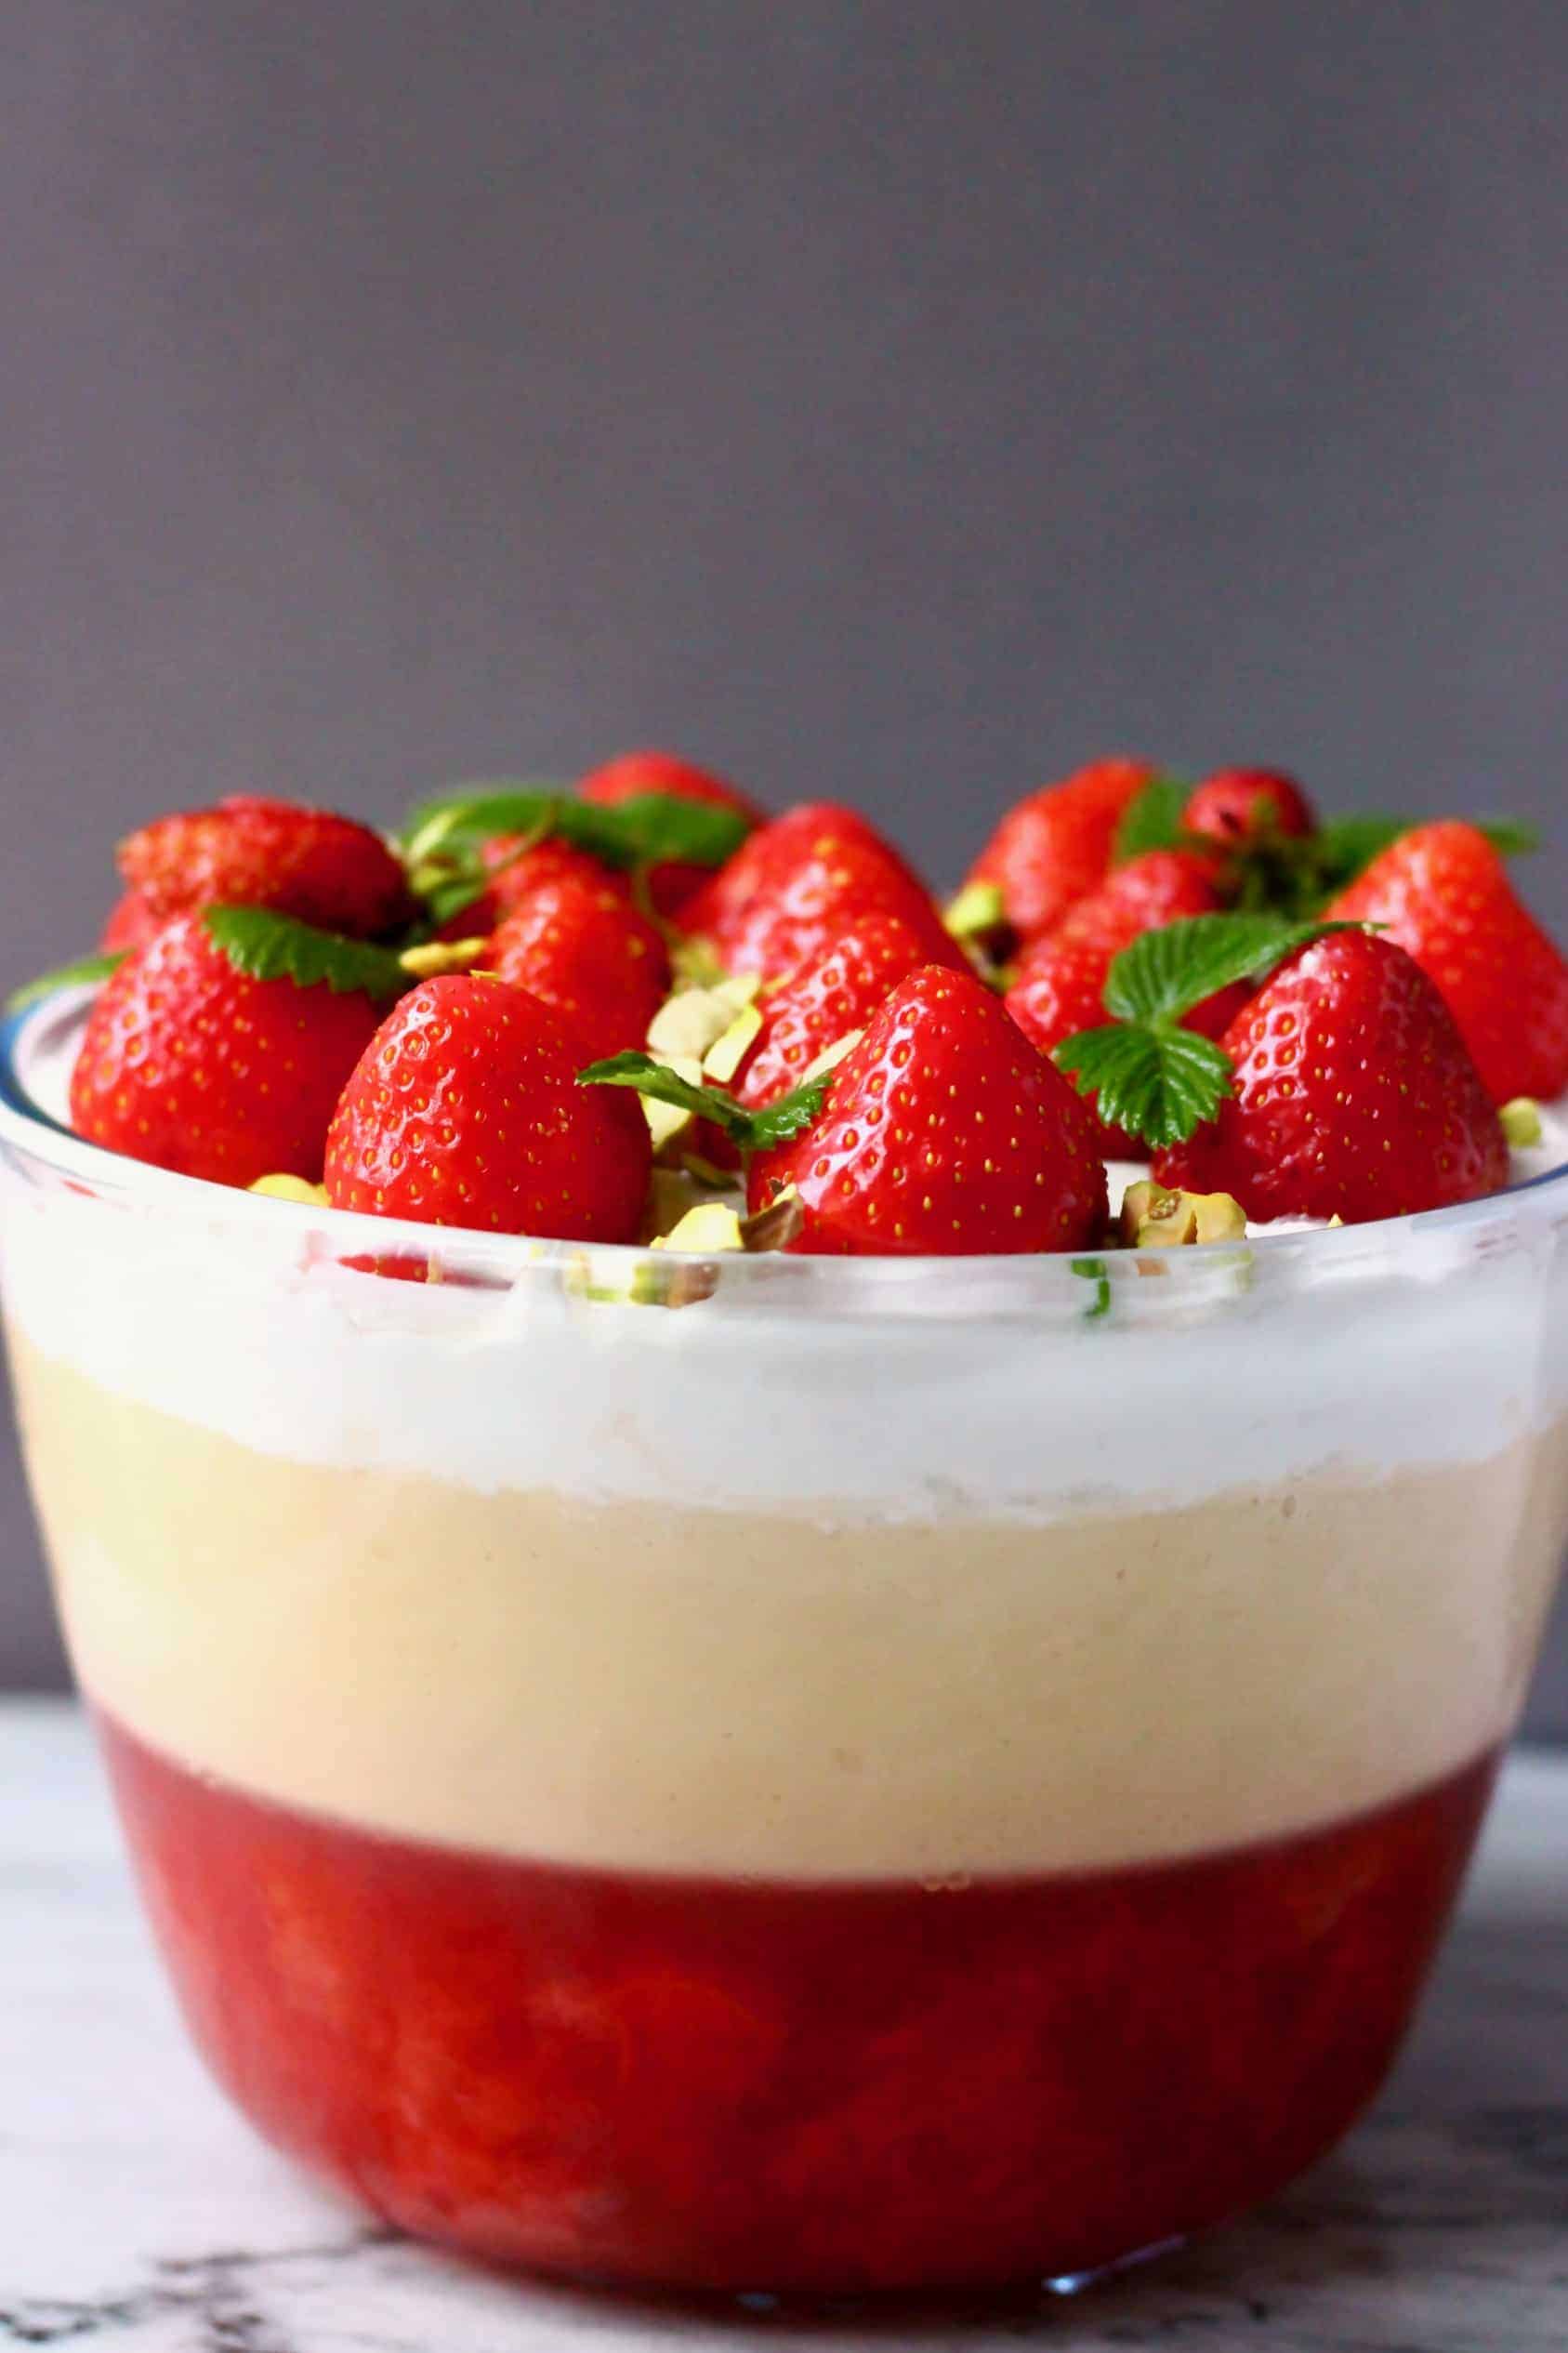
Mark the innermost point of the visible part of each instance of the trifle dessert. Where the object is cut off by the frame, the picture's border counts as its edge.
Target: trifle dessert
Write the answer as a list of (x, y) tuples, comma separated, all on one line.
[(790, 1592)]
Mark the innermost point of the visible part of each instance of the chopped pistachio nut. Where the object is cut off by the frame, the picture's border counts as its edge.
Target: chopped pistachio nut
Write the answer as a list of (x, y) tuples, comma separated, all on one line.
[(710, 1226), (726, 1054), (671, 1192), (436, 956), (977, 907), (776, 1226), (707, 1173), (694, 963), (1156, 1218), (291, 1188), (695, 1019), (1521, 1122), (650, 1285), (831, 1056), (666, 1121)]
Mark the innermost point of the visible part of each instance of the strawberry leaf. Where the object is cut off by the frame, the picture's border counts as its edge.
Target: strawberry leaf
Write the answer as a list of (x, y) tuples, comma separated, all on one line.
[(1165, 973), (1509, 837), (645, 830), (1343, 848), (1159, 1084), (86, 970), (1152, 821), (752, 1131), (269, 946), (454, 893)]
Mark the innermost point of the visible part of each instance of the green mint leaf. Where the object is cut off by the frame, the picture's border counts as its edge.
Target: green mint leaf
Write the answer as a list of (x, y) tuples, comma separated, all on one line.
[(269, 946), (1095, 1271), (1160, 1084), (77, 975), (752, 1131), (1153, 820), (789, 1116), (1165, 973), (661, 1084), (647, 829)]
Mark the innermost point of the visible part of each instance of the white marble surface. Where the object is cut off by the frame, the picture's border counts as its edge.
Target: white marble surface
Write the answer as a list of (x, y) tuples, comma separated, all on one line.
[(138, 2216)]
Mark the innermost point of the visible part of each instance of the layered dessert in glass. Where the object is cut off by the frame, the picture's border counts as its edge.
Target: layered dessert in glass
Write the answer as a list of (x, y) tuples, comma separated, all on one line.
[(793, 1768)]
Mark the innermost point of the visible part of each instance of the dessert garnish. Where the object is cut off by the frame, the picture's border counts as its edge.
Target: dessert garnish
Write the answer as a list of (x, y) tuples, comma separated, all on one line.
[(636, 1010), (1522, 1124), (1154, 1217), (326, 870), (444, 841), (585, 949), (1050, 850), (1151, 1075), (1353, 1095), (464, 1109), (213, 1053), (1442, 894), (794, 886), (943, 1130)]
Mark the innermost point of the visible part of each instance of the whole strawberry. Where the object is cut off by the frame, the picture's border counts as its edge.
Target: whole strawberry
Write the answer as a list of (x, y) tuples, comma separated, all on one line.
[(1060, 985), (1243, 806), (464, 1110), (190, 1064), (794, 887), (944, 1132), (672, 883), (131, 923), (584, 948), (829, 994), (1443, 893), (248, 851), (517, 868), (1354, 1096), (1054, 847)]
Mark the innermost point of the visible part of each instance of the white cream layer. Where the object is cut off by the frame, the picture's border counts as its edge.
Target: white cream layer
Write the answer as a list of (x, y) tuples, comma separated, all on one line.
[(952, 1402)]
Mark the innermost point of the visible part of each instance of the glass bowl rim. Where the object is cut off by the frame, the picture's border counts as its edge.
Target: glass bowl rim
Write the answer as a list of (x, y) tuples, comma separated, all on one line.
[(846, 1286)]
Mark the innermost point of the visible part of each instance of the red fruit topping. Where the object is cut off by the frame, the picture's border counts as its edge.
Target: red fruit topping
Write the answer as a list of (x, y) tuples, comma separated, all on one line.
[(1055, 847), (247, 851), (516, 869), (1062, 976), (827, 996), (1241, 805), (634, 774), (798, 883), (1060, 984), (1355, 1096), (945, 1131), (672, 883), (584, 948), (464, 1110), (191, 1065), (1444, 895), (131, 924)]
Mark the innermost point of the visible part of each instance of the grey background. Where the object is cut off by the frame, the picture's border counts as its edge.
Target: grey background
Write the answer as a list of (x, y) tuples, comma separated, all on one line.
[(893, 400)]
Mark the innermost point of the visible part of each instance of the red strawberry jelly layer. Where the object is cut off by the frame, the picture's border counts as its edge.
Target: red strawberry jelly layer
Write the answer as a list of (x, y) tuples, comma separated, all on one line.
[(718, 2084)]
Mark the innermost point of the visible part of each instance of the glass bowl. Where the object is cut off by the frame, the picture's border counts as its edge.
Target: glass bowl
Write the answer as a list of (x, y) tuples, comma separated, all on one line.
[(786, 1775)]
